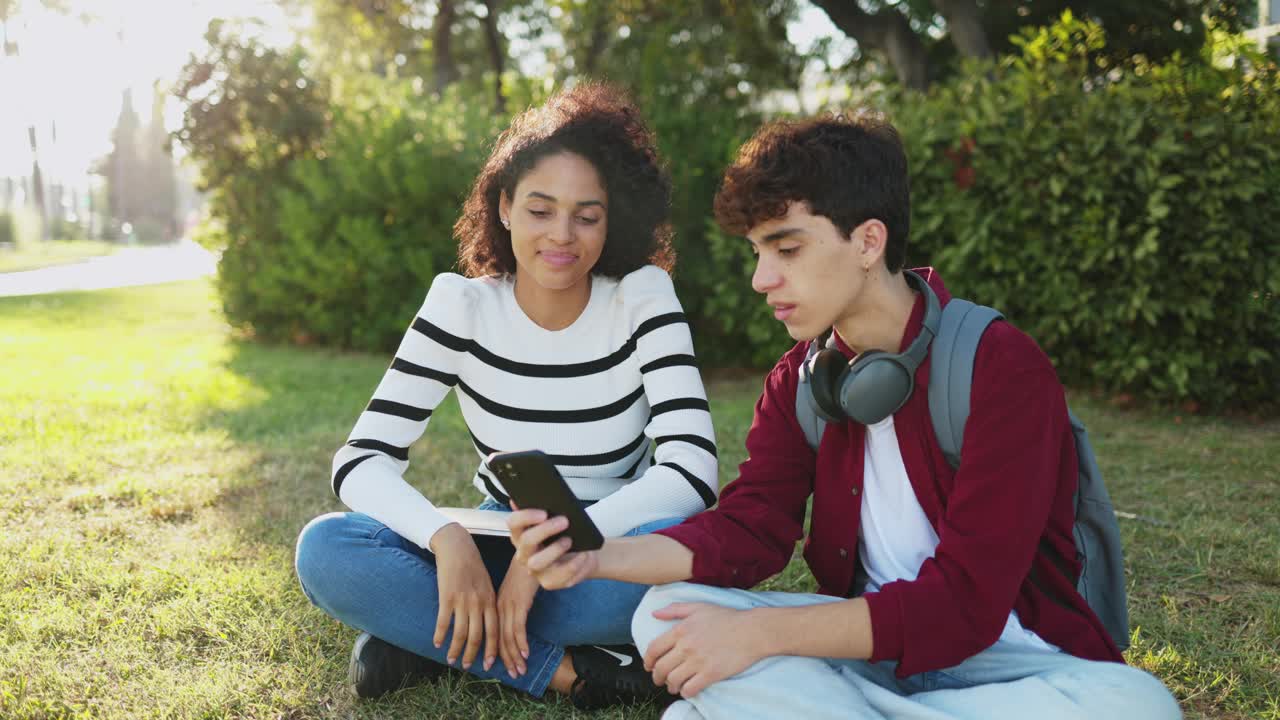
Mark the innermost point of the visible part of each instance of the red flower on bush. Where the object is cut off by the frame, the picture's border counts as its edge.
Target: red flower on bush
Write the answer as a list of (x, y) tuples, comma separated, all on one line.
[(964, 175)]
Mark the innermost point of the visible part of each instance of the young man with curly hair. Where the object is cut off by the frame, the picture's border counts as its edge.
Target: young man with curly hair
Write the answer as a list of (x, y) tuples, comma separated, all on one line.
[(942, 592)]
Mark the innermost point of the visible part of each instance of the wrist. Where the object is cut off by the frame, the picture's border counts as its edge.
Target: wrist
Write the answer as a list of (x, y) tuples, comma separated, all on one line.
[(610, 560), (519, 571), (447, 538), (762, 639)]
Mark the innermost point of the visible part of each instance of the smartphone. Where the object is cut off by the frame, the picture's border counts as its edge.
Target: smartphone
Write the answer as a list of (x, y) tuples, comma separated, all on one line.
[(533, 481)]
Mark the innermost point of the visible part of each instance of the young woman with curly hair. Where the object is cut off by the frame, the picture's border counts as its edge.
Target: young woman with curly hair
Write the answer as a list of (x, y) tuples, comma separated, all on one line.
[(564, 335)]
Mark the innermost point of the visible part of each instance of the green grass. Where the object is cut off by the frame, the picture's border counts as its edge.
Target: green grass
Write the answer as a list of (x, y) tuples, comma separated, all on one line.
[(155, 471), (39, 254)]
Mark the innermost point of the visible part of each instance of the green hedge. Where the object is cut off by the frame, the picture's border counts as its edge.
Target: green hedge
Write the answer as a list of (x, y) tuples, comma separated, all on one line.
[(1129, 222), (698, 146), (1127, 218), (350, 239), (365, 227)]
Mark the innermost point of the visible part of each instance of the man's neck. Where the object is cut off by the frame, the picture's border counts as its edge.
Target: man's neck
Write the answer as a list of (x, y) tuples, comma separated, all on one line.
[(878, 317)]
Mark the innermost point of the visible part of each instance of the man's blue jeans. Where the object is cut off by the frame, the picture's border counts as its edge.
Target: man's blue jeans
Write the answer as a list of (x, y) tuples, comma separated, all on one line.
[(1005, 681), (362, 573)]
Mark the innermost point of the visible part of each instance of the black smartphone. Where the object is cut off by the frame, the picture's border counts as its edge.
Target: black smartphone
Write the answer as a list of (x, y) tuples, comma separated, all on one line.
[(533, 481)]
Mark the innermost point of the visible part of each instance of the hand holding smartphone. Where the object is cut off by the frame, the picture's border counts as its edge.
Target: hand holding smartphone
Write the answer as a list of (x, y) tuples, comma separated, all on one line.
[(533, 481)]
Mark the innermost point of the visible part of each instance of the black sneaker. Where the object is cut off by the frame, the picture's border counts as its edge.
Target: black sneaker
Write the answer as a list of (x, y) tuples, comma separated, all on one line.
[(612, 675), (378, 667)]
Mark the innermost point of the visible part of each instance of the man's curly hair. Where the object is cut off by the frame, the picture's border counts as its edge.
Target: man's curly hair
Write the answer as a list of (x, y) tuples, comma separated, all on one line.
[(848, 168), (599, 123)]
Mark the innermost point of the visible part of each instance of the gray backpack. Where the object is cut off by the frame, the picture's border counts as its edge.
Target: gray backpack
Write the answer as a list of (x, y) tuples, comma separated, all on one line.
[(1097, 535)]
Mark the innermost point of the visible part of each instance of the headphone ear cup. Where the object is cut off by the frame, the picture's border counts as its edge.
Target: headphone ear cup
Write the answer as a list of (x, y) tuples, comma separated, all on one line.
[(877, 385), (826, 373)]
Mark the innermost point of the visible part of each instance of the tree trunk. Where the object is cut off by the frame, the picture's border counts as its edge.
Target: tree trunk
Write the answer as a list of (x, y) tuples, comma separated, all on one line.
[(497, 55), (887, 31), (441, 43), (599, 40), (964, 22)]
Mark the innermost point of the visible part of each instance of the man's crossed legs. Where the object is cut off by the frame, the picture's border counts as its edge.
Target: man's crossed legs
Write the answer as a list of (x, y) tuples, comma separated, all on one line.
[(1006, 680)]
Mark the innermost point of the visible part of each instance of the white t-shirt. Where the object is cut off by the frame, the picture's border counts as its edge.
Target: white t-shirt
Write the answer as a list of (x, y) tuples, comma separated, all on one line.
[(895, 537)]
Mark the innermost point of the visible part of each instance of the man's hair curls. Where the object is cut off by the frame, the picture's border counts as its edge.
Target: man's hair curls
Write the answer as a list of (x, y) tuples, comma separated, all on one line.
[(847, 168)]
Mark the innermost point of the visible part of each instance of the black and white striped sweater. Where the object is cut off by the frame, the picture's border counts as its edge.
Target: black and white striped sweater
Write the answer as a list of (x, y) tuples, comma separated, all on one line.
[(615, 399)]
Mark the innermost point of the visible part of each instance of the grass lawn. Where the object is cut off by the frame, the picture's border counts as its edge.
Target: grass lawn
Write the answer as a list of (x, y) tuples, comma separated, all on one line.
[(30, 256), (155, 471)]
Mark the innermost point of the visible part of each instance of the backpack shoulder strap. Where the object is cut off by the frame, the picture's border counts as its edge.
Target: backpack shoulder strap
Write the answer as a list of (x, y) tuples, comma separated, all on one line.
[(951, 371), (806, 414)]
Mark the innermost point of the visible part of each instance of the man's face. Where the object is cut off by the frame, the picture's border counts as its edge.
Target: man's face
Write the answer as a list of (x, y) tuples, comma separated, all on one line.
[(810, 273)]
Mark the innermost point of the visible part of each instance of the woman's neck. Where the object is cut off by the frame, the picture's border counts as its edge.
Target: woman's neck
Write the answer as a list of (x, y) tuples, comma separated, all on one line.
[(552, 309)]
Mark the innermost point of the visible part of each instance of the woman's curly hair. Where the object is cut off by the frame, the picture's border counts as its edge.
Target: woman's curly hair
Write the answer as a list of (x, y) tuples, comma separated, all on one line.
[(848, 168), (599, 123)]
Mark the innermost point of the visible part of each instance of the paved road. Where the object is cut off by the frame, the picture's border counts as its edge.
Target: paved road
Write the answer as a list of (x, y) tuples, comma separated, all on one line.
[(184, 260)]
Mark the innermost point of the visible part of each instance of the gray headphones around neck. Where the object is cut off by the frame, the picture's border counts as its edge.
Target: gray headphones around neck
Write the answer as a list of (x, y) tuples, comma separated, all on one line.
[(875, 384)]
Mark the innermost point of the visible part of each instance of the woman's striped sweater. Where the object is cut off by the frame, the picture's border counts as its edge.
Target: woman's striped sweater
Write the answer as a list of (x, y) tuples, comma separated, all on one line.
[(615, 399)]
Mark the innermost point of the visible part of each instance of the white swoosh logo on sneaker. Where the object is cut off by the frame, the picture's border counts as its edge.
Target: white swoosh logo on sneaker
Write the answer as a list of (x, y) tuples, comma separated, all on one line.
[(623, 660)]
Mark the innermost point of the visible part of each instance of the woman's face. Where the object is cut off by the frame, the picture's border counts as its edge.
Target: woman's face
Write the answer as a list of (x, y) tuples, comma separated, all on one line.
[(558, 217)]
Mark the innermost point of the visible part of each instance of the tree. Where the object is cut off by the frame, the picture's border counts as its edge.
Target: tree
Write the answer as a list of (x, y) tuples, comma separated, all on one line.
[(124, 168), (448, 41), (497, 52), (159, 182), (140, 176), (923, 39), (696, 51), (442, 46)]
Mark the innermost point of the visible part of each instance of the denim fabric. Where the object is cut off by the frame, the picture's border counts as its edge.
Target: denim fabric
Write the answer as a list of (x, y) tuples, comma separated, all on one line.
[(1007, 680), (363, 574)]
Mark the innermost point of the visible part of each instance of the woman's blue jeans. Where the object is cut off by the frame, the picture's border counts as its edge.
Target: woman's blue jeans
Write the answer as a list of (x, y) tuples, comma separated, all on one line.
[(362, 573)]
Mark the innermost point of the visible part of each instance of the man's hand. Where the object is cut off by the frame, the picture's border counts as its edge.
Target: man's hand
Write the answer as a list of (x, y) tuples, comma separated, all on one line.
[(552, 564), (515, 597), (709, 644), (466, 597)]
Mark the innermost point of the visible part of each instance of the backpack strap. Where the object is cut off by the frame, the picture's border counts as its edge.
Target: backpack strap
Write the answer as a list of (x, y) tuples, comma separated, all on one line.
[(951, 371), (806, 414)]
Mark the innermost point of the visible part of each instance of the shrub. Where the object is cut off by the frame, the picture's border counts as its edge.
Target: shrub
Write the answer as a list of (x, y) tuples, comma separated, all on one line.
[(366, 225), (698, 146), (8, 231), (1125, 217)]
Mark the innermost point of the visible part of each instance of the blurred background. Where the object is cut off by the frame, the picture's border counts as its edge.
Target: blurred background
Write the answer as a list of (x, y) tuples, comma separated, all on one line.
[(1124, 151)]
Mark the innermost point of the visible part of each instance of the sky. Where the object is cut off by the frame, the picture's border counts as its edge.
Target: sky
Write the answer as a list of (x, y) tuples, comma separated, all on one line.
[(72, 73)]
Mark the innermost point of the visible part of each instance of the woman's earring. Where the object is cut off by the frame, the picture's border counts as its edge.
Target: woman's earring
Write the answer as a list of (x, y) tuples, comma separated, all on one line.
[(506, 223)]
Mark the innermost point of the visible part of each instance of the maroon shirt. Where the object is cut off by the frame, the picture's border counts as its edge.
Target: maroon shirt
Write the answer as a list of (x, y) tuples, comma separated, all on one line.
[(1004, 518)]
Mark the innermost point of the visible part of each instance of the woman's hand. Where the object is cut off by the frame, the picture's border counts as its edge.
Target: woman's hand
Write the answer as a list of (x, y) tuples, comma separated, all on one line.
[(466, 597), (514, 600), (551, 563)]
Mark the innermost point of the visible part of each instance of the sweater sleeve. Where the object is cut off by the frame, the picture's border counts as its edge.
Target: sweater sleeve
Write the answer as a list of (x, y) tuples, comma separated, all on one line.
[(752, 534), (683, 479), (1015, 440), (368, 472)]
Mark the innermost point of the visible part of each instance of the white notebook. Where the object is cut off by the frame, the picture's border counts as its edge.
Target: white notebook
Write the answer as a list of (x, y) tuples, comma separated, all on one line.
[(479, 522)]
